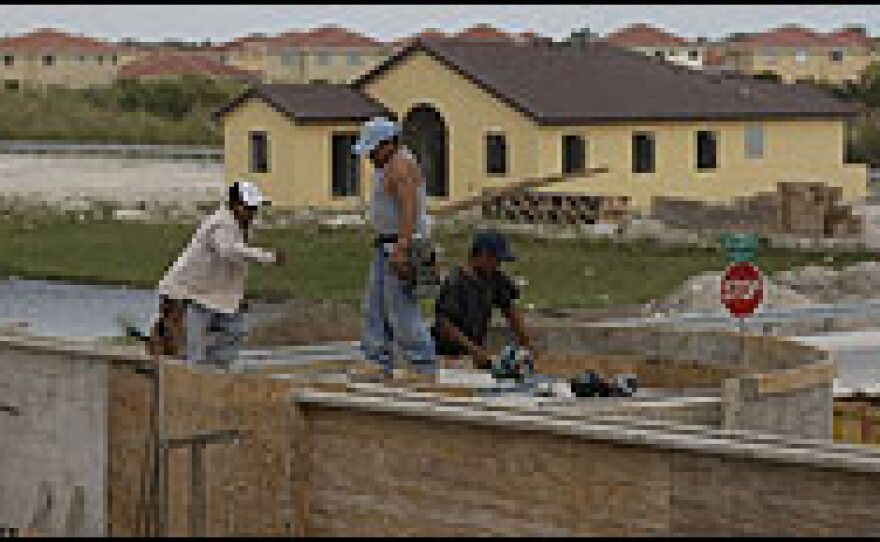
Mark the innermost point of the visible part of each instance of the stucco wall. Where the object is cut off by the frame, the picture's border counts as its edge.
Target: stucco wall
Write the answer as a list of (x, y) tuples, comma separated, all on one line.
[(300, 170), (818, 64)]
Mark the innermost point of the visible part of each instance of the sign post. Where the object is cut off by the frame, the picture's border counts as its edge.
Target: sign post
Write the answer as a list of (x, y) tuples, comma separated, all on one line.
[(742, 287)]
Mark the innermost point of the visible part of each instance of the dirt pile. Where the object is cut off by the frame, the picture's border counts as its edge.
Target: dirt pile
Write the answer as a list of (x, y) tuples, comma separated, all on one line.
[(826, 285)]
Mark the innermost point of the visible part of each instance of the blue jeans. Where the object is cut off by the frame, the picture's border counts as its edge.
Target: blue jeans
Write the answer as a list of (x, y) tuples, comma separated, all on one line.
[(393, 319), (211, 336)]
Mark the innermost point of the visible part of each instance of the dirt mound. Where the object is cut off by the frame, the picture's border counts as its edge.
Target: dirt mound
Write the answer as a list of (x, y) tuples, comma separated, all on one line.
[(703, 293), (826, 285)]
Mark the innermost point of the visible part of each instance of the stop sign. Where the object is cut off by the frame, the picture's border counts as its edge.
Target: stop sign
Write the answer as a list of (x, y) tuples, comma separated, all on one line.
[(742, 289)]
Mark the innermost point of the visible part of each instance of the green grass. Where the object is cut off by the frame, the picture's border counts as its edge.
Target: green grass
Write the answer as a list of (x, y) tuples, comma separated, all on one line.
[(65, 115), (332, 263)]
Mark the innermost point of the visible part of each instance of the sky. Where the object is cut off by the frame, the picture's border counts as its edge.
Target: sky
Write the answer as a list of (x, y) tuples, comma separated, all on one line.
[(226, 21)]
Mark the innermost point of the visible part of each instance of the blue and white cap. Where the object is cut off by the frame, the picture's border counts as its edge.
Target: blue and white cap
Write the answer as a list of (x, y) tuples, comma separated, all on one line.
[(375, 131)]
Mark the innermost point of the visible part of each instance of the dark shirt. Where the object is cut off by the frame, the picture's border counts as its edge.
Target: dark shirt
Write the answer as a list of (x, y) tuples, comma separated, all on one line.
[(466, 301)]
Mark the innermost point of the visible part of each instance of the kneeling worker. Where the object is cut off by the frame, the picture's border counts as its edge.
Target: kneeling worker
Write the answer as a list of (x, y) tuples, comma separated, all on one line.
[(467, 296), (207, 280)]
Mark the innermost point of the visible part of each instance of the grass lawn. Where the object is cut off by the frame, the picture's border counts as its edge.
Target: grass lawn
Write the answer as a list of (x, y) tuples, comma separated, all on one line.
[(327, 263)]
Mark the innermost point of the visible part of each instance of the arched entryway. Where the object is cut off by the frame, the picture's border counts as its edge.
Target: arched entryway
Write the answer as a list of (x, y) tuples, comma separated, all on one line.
[(424, 132)]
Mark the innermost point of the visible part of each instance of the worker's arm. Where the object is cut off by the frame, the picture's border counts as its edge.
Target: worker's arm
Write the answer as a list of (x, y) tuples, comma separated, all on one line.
[(475, 351), (225, 243), (517, 325), (403, 182)]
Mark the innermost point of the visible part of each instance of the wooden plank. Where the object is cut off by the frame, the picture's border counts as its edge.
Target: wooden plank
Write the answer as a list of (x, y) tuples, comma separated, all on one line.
[(795, 379)]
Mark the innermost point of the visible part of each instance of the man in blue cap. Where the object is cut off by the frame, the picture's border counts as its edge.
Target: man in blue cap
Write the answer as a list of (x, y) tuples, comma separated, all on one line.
[(393, 321), (467, 297)]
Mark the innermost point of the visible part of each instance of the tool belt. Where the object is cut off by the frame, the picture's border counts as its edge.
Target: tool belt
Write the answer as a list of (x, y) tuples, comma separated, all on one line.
[(422, 259)]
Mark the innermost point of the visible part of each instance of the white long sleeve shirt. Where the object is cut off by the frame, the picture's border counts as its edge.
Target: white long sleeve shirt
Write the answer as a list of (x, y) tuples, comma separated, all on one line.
[(212, 269)]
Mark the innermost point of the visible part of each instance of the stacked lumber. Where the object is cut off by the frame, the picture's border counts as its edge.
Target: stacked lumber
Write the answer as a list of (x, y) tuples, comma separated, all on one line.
[(557, 208)]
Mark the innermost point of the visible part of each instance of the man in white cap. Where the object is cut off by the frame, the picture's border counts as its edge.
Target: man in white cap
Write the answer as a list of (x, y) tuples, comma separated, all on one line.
[(205, 286), (393, 321)]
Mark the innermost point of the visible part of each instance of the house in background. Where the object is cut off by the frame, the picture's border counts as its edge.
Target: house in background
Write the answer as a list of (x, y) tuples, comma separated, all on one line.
[(795, 53), (654, 41), (46, 57), (478, 115), (326, 54), (157, 66)]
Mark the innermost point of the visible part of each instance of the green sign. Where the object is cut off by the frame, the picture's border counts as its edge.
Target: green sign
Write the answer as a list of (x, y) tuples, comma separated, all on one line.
[(740, 247)]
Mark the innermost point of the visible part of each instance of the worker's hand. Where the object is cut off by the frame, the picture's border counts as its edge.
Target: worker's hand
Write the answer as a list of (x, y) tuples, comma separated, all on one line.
[(399, 262), (481, 358)]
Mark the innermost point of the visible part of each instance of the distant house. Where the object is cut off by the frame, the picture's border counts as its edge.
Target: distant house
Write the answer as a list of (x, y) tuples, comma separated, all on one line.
[(654, 41), (795, 53), (478, 115), (326, 54), (173, 65), (46, 57)]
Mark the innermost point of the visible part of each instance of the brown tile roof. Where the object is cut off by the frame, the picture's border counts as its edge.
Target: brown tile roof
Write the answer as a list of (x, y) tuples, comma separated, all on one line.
[(596, 83), (643, 35), (171, 64), (798, 36), (312, 102), (49, 39), (325, 36)]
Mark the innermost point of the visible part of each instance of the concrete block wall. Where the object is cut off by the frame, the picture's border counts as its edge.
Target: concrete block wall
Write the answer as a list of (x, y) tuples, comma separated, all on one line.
[(57, 442)]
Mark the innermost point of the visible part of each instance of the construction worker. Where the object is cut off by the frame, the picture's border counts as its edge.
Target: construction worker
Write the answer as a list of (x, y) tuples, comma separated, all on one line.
[(206, 283), (393, 323), (467, 296)]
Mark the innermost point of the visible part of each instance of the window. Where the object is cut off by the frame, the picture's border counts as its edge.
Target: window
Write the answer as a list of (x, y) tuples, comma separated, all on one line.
[(259, 152), (11, 84), (573, 154), (643, 153), (320, 81), (324, 59), (8, 60), (496, 154), (82, 60), (836, 56), (706, 150), (289, 59), (800, 56), (100, 59), (113, 60), (754, 141), (658, 54), (346, 173), (354, 59), (693, 55), (48, 60)]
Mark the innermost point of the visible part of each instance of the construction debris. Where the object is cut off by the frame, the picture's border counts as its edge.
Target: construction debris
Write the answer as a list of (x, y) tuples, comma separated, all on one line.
[(799, 208)]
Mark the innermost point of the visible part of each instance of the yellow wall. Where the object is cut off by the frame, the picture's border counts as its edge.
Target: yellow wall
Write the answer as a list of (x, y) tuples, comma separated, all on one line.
[(306, 68), (802, 150), (818, 64), (67, 70), (299, 157)]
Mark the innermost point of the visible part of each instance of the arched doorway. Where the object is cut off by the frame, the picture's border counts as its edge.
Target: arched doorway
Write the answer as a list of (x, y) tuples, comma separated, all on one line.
[(424, 132)]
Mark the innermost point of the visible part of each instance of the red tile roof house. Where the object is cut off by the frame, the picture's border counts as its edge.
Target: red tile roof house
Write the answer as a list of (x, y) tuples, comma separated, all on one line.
[(661, 43), (171, 65), (797, 53), (47, 56)]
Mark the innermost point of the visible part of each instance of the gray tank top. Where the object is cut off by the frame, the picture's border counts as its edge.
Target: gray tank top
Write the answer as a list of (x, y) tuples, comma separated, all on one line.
[(384, 210)]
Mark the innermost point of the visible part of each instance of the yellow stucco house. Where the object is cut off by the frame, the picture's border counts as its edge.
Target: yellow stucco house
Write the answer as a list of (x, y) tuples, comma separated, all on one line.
[(46, 57), (478, 115), (795, 53)]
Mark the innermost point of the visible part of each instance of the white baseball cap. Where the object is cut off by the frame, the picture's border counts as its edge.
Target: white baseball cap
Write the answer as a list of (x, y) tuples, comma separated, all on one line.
[(375, 131), (249, 194)]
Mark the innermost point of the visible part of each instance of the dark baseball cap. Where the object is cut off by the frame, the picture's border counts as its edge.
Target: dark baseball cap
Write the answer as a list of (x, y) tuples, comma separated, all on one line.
[(494, 243)]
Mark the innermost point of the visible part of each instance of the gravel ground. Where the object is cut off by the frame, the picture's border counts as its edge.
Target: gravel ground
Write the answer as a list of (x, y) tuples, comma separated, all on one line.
[(53, 179)]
